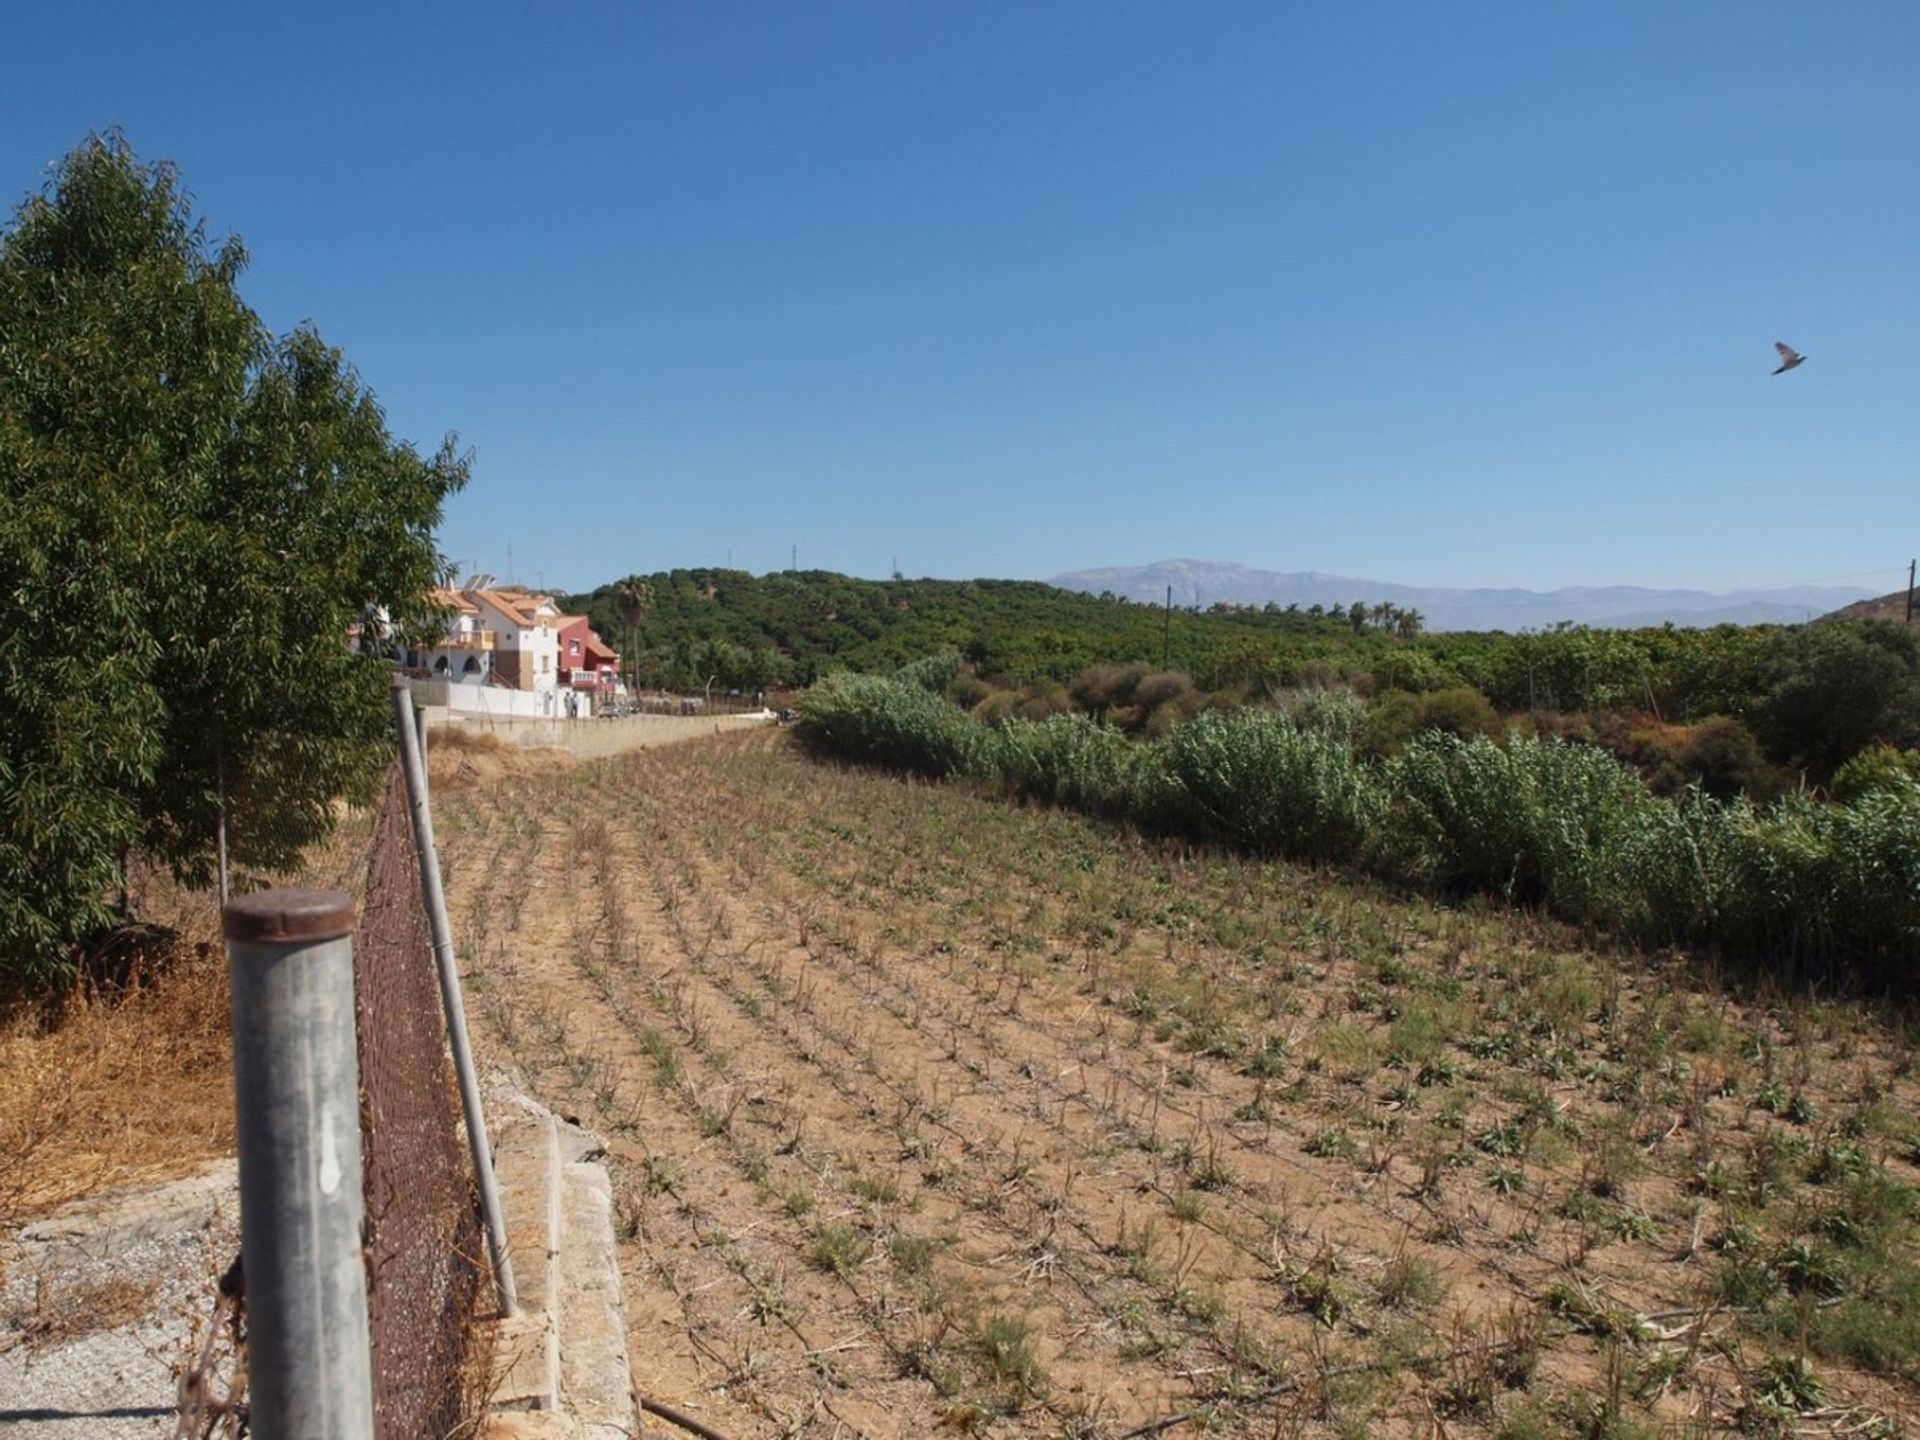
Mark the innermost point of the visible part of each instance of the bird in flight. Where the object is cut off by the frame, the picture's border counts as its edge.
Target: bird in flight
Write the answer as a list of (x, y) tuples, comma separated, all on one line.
[(1789, 357)]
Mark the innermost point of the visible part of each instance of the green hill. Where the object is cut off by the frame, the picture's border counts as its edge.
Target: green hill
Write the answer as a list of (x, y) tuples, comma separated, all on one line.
[(788, 628)]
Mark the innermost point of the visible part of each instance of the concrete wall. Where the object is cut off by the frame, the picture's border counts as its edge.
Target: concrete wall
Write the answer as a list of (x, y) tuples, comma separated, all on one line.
[(592, 739), (484, 701)]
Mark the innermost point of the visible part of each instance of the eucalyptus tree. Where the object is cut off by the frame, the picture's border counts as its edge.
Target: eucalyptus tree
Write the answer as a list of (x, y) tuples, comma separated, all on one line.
[(193, 515)]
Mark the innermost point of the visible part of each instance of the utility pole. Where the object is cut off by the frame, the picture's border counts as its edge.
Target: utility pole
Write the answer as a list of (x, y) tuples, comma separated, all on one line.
[(1166, 631), (1910, 565), (794, 563)]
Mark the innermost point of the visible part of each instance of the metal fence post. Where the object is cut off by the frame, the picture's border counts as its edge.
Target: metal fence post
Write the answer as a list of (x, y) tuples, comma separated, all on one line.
[(297, 1109), (420, 729), (434, 896)]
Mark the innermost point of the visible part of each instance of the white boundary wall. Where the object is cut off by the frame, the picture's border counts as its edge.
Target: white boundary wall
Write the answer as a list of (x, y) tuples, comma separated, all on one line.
[(486, 702)]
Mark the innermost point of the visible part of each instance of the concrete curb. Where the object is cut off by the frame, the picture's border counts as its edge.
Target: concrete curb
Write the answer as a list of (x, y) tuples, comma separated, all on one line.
[(567, 1374)]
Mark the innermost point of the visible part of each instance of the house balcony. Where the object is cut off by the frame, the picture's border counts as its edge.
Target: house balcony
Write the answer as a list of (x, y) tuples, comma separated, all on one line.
[(472, 640)]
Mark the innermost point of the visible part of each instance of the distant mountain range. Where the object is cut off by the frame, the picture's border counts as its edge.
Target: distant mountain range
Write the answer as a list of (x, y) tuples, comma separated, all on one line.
[(1619, 607)]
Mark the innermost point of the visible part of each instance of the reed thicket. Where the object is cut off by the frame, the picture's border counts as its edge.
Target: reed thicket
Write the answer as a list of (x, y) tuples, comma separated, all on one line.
[(1826, 885)]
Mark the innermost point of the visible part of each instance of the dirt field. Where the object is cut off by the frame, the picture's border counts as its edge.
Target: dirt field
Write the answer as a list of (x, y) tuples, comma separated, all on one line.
[(932, 1111)]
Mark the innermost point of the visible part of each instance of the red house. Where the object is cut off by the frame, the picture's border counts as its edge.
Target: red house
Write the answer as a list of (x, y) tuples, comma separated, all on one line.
[(586, 662)]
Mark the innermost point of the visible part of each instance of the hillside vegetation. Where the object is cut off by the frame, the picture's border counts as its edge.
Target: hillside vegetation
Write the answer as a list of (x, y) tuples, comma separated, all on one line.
[(1886, 607), (750, 632)]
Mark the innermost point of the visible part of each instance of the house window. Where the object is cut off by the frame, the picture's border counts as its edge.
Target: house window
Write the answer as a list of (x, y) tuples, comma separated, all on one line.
[(573, 647), (544, 667)]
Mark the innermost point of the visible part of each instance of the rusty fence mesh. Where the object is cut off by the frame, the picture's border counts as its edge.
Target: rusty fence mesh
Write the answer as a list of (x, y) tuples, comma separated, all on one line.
[(425, 1252)]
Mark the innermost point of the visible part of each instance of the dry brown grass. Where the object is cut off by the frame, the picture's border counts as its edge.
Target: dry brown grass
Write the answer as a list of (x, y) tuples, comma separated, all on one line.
[(463, 738), (117, 1083), (130, 1077), (459, 758)]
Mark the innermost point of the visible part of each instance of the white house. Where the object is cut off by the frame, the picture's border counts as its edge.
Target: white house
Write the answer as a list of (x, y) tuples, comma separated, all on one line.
[(464, 656), (524, 629)]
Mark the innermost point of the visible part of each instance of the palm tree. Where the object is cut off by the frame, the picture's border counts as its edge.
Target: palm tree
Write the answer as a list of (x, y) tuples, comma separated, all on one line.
[(633, 598)]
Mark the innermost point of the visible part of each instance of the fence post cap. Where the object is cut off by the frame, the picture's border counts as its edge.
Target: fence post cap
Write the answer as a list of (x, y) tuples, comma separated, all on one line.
[(286, 917)]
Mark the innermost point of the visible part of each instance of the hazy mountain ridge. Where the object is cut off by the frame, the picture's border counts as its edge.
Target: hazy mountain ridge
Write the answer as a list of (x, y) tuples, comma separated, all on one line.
[(1449, 608)]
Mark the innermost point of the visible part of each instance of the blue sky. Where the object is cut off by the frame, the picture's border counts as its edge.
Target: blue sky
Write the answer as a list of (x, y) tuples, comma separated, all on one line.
[(1438, 294)]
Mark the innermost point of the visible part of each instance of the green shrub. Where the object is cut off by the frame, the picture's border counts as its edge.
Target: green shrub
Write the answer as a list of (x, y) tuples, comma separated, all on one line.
[(1831, 690), (1839, 883), (1259, 779), (1723, 757), (1679, 861), (1339, 713), (1878, 767), (1537, 820), (1065, 760), (888, 722), (934, 673), (1397, 716)]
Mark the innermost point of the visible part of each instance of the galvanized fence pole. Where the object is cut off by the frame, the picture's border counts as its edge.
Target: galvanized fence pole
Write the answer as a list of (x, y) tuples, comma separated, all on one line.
[(433, 895), (420, 728), (296, 1092)]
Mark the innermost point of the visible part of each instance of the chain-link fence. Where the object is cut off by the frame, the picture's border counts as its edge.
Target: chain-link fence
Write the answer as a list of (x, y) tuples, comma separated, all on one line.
[(426, 1258)]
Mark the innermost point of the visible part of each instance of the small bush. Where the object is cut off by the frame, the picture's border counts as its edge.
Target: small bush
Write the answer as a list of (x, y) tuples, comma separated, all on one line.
[(1723, 757), (1100, 688), (1044, 699), (967, 689), (1158, 689), (1397, 716), (998, 708)]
